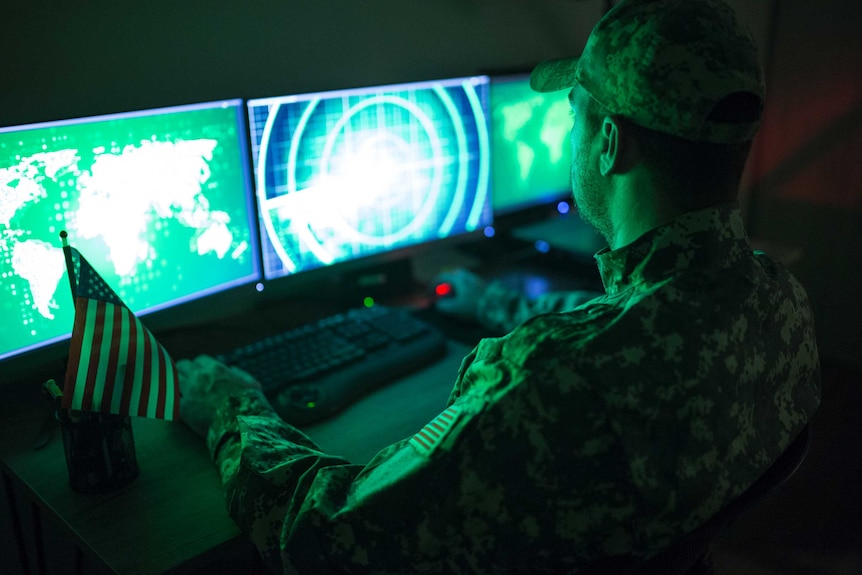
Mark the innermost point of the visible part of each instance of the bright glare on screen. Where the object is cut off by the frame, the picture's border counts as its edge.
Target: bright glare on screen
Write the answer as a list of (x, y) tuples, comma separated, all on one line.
[(157, 201), (346, 174), (530, 149)]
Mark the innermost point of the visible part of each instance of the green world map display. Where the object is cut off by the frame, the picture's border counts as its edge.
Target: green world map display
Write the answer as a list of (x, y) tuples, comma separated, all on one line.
[(531, 159), (158, 202)]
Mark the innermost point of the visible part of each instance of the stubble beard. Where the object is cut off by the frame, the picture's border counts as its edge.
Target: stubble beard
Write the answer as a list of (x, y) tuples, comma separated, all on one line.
[(588, 198)]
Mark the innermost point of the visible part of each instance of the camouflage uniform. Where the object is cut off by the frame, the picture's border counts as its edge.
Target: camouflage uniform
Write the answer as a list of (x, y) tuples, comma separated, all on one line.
[(612, 428), (501, 309)]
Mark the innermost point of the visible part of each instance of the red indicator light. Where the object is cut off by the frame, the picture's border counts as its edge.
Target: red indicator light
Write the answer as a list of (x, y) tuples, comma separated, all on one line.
[(443, 289)]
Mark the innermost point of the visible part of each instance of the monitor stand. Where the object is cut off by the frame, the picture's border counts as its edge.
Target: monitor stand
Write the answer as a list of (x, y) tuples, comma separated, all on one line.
[(390, 278)]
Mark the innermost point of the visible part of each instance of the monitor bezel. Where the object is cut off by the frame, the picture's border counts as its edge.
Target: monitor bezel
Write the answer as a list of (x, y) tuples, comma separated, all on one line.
[(338, 280)]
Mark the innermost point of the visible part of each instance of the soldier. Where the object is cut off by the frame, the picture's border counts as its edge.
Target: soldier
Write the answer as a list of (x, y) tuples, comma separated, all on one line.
[(608, 428)]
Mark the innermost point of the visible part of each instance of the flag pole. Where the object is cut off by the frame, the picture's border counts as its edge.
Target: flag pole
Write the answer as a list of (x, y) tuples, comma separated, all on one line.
[(70, 267), (70, 270)]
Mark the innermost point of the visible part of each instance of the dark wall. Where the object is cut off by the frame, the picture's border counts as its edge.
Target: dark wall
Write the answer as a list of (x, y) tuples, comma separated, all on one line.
[(76, 59), (806, 172)]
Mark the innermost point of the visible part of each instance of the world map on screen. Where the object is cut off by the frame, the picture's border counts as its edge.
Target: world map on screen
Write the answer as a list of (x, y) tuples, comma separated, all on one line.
[(530, 145), (160, 217)]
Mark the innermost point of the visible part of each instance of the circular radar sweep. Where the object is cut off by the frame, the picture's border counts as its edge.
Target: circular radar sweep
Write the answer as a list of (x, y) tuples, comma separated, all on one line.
[(362, 173)]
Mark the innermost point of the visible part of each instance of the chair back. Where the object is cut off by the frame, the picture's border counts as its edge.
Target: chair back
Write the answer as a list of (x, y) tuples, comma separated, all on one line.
[(688, 555)]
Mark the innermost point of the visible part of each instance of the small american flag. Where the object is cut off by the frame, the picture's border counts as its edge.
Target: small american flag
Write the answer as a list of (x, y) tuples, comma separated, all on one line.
[(115, 363)]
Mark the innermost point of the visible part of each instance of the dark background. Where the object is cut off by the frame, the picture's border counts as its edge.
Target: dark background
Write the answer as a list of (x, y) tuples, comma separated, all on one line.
[(802, 194)]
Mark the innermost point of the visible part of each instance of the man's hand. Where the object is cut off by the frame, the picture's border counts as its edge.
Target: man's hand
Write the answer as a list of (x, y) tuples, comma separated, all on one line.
[(467, 289), (204, 385)]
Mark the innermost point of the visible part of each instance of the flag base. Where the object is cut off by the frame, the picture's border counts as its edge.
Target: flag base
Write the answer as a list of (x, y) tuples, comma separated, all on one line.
[(100, 451)]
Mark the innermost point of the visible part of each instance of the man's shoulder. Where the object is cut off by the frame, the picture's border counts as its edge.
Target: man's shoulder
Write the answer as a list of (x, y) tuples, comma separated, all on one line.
[(570, 340)]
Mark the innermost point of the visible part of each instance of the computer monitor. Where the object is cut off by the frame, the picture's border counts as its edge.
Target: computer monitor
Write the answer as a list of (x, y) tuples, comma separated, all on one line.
[(160, 202), (346, 174), (530, 151)]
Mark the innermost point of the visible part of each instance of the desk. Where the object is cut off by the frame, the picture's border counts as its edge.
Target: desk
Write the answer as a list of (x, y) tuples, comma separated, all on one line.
[(172, 518)]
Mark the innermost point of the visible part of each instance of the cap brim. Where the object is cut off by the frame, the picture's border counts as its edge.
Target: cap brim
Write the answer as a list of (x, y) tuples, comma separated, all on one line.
[(554, 75)]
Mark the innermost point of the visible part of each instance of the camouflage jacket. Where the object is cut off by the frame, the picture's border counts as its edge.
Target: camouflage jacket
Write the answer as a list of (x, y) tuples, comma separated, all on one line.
[(608, 429)]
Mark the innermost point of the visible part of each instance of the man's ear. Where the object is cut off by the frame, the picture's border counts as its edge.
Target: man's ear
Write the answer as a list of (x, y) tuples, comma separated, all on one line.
[(619, 148), (610, 151)]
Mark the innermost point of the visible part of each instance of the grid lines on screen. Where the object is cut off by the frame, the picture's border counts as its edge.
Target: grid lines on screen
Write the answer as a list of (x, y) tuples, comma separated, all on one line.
[(342, 175)]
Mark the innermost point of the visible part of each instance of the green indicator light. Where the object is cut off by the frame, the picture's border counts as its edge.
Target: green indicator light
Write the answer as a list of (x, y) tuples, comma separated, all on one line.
[(368, 301), (310, 405)]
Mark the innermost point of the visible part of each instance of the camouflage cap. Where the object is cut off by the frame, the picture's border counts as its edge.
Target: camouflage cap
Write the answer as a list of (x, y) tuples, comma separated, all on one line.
[(665, 64)]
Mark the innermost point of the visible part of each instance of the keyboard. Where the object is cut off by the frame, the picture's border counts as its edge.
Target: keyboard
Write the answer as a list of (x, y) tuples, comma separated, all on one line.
[(313, 371)]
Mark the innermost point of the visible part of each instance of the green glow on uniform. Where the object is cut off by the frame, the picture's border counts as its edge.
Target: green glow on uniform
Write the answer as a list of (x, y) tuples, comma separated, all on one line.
[(368, 302)]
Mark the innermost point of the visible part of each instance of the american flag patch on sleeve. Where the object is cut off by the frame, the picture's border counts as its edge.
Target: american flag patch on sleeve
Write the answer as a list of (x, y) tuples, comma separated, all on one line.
[(432, 435)]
